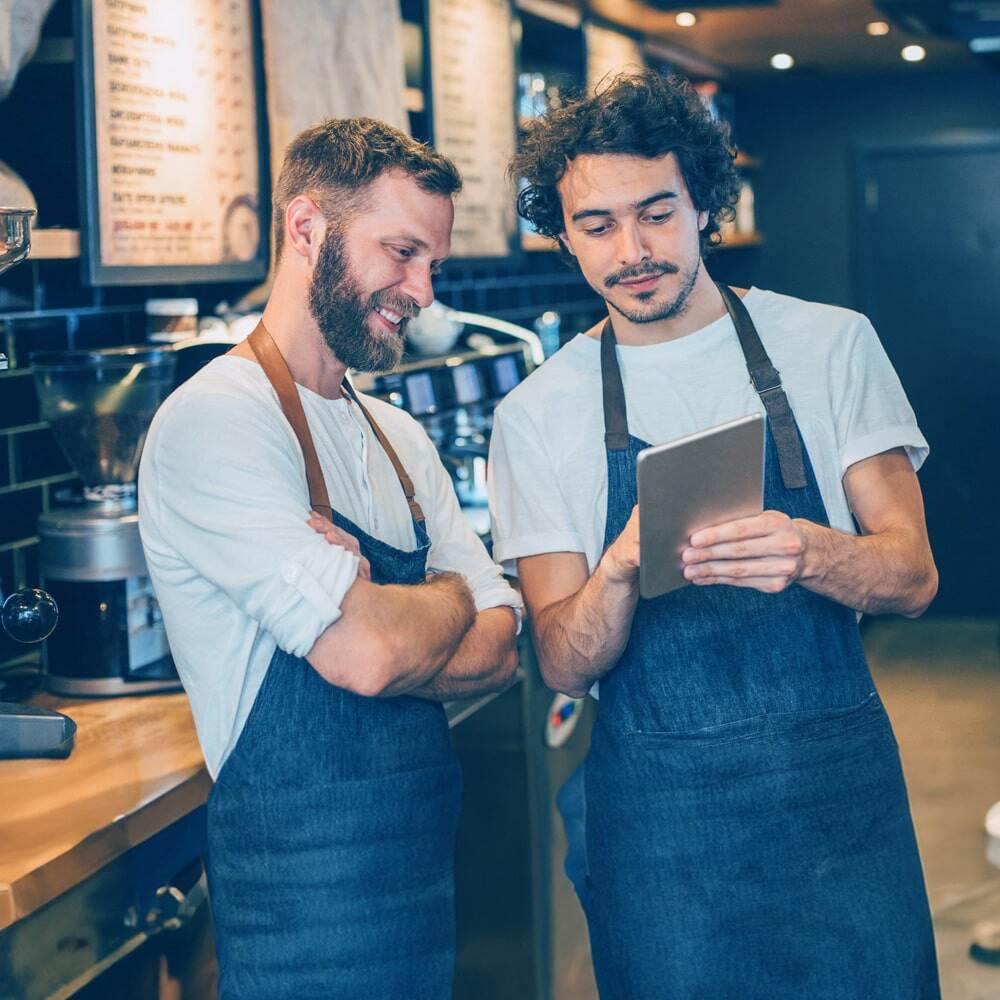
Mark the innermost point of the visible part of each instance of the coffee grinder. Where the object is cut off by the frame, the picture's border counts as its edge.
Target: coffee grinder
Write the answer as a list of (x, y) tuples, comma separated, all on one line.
[(111, 639)]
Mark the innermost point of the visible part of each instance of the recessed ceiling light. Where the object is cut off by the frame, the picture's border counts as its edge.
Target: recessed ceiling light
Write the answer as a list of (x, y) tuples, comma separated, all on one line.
[(782, 60), (877, 27), (980, 45), (685, 19), (913, 53)]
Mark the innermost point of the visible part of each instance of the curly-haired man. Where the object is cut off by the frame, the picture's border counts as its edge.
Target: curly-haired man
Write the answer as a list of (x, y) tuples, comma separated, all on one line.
[(747, 827)]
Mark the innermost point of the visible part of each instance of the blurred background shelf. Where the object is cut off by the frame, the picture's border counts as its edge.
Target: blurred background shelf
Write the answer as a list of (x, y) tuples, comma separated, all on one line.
[(54, 244)]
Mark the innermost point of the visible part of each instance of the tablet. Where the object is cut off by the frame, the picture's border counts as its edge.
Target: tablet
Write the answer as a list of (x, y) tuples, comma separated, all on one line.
[(707, 478)]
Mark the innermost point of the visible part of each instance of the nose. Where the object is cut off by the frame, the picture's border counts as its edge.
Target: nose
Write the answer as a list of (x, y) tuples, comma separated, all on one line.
[(418, 285), (630, 247)]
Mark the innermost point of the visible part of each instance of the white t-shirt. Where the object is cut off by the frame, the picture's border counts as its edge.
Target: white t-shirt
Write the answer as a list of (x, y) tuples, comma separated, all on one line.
[(223, 503), (548, 473)]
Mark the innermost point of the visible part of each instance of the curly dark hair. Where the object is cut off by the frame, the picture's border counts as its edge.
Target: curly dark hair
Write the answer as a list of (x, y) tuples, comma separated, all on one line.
[(639, 114)]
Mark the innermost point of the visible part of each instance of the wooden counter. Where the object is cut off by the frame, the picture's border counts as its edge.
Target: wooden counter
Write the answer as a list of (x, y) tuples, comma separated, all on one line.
[(136, 769)]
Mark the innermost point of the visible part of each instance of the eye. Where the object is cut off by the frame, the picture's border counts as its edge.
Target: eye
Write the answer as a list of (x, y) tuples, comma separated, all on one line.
[(659, 217), (597, 230), (405, 253)]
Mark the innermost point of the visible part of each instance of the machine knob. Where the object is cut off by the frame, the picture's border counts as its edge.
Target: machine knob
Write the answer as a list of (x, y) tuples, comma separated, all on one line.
[(29, 615)]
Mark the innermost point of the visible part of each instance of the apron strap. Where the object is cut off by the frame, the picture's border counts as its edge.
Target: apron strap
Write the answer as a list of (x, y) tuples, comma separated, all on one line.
[(615, 411), (767, 382), (401, 473), (267, 353), (276, 370)]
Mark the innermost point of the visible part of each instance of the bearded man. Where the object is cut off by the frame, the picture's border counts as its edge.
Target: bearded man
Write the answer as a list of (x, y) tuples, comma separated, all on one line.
[(316, 655)]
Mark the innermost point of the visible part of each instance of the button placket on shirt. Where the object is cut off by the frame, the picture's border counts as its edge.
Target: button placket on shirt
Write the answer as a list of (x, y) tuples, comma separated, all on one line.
[(359, 427)]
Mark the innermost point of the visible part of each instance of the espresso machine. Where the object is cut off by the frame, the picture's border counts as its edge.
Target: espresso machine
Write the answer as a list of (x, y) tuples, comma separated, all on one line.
[(111, 639)]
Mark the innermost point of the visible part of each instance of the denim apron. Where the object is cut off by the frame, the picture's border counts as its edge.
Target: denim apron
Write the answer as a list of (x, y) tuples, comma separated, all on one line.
[(332, 823), (748, 834)]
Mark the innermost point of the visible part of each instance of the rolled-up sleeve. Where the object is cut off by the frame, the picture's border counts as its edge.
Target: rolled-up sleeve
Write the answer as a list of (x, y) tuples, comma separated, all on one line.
[(232, 501), (454, 545), (871, 410), (528, 512)]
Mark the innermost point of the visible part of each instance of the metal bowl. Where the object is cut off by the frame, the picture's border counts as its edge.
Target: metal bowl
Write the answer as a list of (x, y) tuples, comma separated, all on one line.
[(15, 235)]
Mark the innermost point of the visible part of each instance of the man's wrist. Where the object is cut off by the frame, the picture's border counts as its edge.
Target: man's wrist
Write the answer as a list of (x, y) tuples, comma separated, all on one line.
[(623, 579), (815, 545)]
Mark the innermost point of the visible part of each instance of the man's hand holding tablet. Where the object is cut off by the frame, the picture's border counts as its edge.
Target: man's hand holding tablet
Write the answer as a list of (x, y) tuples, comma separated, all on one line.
[(700, 500)]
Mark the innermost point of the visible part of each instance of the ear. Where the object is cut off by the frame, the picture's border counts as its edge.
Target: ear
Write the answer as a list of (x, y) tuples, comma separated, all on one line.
[(305, 227), (702, 220)]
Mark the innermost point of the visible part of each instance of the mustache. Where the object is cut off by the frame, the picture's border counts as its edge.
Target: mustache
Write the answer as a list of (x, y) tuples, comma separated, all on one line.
[(404, 307), (640, 271)]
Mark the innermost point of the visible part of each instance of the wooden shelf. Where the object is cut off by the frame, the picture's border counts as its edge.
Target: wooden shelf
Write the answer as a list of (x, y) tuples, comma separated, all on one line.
[(735, 241), (533, 242), (413, 100), (54, 244)]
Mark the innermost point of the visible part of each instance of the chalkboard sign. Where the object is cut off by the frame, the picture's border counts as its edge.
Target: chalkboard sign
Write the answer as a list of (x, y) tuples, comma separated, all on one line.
[(173, 173)]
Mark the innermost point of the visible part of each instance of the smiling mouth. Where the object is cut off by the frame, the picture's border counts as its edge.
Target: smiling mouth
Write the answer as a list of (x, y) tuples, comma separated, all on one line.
[(393, 320)]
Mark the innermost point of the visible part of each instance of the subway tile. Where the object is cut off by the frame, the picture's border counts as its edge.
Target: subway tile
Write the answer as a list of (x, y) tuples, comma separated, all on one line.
[(29, 558), (37, 335), (107, 330), (7, 578), (37, 456), (19, 510), (18, 400), (5, 470)]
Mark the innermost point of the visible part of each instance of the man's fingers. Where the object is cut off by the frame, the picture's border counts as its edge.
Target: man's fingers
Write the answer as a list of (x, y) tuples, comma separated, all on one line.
[(765, 584), (364, 568), (750, 548), (750, 569), (746, 527)]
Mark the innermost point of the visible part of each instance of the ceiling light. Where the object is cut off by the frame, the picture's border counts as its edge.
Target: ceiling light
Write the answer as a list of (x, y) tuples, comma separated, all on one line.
[(685, 19), (913, 53), (980, 45), (876, 28), (782, 60)]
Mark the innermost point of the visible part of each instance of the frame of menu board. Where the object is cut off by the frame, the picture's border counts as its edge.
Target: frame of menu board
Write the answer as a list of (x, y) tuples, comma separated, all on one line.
[(470, 72), (171, 133)]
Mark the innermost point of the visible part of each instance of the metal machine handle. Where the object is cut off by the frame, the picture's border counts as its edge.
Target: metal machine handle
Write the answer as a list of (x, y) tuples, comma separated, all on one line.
[(29, 614)]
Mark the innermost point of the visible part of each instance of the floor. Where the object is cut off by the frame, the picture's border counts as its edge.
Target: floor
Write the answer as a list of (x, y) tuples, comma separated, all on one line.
[(940, 680)]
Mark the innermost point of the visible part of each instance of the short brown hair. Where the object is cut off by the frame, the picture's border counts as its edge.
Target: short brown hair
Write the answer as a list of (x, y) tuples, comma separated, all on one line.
[(335, 161), (638, 114)]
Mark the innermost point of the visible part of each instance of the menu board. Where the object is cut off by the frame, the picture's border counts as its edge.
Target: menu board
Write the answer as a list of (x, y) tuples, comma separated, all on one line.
[(172, 162), (610, 52), (472, 89)]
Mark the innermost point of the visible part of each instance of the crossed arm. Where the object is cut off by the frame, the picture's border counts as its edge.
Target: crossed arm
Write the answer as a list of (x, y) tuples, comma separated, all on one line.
[(581, 621), (425, 640)]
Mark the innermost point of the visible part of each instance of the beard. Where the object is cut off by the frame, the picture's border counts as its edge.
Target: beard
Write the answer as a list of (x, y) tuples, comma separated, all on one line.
[(343, 312), (646, 310)]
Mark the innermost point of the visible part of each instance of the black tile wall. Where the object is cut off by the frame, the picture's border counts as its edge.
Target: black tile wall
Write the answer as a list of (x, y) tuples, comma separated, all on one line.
[(18, 402), (19, 510), (37, 456)]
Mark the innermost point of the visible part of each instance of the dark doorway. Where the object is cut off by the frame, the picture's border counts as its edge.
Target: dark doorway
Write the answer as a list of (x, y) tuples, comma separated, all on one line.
[(929, 275)]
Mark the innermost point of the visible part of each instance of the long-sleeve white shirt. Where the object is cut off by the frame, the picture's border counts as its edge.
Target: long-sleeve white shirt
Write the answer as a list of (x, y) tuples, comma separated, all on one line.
[(223, 503)]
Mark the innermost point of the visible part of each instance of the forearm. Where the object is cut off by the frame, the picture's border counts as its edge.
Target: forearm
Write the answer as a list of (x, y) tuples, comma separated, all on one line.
[(392, 639), (484, 662), (580, 638), (891, 572)]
